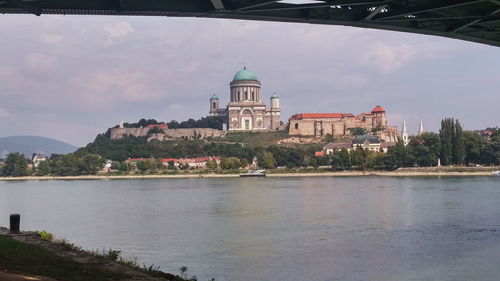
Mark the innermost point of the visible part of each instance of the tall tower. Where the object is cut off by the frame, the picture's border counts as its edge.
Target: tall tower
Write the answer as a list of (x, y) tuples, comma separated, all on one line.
[(404, 134), (275, 112), (380, 119), (421, 127), (214, 105)]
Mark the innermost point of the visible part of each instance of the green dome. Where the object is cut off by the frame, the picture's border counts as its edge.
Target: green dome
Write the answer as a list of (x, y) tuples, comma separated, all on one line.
[(214, 97), (244, 74), (274, 96)]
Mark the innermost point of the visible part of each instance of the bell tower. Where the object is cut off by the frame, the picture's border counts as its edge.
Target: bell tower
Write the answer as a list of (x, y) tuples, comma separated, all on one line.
[(214, 105)]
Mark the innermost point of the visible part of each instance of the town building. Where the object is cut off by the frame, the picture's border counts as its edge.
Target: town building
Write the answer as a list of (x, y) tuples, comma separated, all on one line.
[(195, 163), (246, 111), (341, 124), (366, 142), (37, 159)]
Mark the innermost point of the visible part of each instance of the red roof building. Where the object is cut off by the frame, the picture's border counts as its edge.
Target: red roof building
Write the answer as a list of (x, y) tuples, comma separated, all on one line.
[(302, 116), (378, 109)]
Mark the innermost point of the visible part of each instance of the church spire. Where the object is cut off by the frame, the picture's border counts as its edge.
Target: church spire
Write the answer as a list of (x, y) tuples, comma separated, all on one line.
[(421, 127), (404, 134)]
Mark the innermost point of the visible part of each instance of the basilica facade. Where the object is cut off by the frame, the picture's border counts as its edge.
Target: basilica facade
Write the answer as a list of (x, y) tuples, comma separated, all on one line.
[(246, 111)]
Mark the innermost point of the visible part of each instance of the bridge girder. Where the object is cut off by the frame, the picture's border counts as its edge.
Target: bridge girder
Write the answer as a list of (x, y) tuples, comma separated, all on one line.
[(471, 20)]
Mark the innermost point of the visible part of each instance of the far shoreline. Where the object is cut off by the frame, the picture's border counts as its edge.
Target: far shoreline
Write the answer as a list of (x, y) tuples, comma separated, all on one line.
[(396, 173)]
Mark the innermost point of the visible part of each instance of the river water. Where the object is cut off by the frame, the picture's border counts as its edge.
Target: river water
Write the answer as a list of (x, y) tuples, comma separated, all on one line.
[(348, 228)]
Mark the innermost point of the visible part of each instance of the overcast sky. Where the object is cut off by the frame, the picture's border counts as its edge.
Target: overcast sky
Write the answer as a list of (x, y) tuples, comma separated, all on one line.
[(71, 77)]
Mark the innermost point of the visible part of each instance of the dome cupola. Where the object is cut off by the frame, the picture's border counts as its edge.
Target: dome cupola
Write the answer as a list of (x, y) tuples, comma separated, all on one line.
[(245, 75), (274, 96), (214, 97)]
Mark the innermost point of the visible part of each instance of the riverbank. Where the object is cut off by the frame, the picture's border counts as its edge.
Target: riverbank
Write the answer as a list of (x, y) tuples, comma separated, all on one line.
[(30, 256), (402, 172)]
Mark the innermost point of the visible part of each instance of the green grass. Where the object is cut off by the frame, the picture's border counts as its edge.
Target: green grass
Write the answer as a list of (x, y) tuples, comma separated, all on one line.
[(21, 257)]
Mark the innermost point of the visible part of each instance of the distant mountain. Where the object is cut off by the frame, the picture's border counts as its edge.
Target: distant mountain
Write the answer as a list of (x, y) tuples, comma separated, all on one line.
[(28, 145)]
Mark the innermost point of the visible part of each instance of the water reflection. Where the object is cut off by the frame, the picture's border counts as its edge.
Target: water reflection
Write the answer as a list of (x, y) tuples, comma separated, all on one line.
[(361, 228)]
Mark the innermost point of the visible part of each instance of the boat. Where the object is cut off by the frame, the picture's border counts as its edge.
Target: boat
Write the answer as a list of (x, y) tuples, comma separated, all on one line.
[(256, 173), (495, 173)]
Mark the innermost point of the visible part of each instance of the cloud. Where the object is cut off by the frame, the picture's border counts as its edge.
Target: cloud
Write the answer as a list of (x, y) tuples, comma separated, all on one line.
[(388, 57), (4, 113), (116, 30), (39, 63), (112, 86), (51, 38)]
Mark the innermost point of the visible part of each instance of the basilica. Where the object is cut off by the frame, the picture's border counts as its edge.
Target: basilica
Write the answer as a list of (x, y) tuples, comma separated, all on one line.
[(246, 111)]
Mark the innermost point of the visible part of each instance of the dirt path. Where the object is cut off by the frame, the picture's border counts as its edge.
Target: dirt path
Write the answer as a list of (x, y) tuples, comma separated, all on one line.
[(6, 276)]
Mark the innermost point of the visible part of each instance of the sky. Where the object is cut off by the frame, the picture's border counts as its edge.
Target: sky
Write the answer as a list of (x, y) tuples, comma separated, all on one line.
[(72, 77)]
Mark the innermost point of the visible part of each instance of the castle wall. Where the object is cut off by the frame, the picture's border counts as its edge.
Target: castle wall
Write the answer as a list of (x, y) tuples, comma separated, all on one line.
[(119, 133), (339, 126)]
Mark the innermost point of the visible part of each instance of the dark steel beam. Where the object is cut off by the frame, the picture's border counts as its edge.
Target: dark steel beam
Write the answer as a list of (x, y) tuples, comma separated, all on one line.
[(437, 5)]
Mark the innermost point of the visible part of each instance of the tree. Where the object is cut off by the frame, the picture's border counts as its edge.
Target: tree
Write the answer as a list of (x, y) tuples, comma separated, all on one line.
[(155, 130), (359, 158), (15, 165), (357, 131), (458, 148), (425, 148), (68, 165), (403, 156), (313, 163), (90, 164), (266, 160), (452, 143), (490, 153), (243, 163), (212, 164), (473, 143), (115, 165), (231, 163), (446, 136), (390, 162), (43, 169), (341, 160)]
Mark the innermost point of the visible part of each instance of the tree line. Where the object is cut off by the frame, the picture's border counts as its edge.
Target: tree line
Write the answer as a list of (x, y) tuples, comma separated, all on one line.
[(213, 122), (451, 146), (16, 165)]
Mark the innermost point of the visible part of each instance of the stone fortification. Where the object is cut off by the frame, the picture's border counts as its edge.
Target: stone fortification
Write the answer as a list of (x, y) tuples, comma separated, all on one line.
[(340, 124), (187, 133)]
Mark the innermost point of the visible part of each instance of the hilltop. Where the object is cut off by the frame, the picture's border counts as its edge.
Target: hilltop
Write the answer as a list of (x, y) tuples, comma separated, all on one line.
[(28, 145)]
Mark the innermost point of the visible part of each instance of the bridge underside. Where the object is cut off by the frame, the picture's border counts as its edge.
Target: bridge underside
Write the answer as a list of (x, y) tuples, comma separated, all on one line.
[(471, 20)]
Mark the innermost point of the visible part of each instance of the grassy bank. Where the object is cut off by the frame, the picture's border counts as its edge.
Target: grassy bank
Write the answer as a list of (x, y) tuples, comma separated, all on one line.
[(29, 255), (19, 257)]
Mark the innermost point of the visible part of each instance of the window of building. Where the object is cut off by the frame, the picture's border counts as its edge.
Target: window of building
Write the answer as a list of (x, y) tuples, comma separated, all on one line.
[(246, 95), (214, 105), (247, 111), (296, 125)]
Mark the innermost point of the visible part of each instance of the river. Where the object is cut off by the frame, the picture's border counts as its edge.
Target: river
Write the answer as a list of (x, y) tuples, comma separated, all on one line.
[(321, 228)]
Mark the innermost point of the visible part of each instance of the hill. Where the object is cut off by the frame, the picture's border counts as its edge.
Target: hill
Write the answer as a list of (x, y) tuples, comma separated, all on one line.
[(28, 145)]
